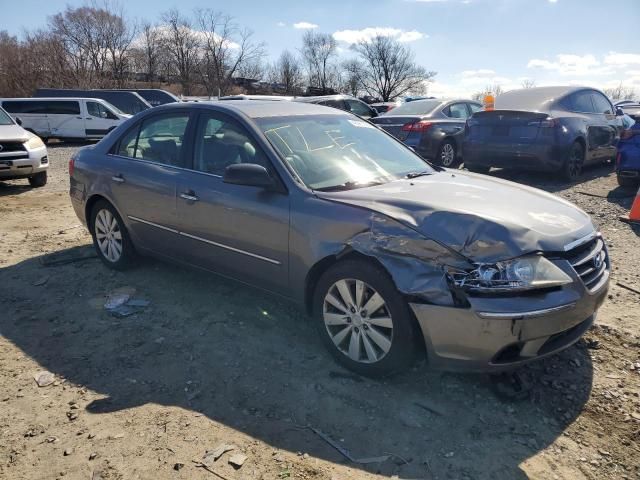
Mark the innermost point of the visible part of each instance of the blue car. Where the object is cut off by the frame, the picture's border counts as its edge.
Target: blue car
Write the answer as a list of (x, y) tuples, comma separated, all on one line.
[(628, 157)]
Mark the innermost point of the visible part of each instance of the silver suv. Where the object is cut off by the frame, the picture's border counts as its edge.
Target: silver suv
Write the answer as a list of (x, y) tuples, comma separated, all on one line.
[(22, 154)]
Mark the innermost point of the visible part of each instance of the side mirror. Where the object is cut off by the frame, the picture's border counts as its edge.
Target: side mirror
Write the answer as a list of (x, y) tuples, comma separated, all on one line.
[(619, 112), (374, 113), (248, 174), (19, 121)]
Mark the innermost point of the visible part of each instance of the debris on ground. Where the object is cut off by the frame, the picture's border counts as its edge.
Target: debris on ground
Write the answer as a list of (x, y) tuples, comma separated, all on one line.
[(344, 452), (121, 304), (237, 460), (41, 281), (212, 456), (44, 378)]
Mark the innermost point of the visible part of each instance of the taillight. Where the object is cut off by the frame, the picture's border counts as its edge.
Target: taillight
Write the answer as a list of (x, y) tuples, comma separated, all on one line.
[(72, 162), (421, 126), (546, 123)]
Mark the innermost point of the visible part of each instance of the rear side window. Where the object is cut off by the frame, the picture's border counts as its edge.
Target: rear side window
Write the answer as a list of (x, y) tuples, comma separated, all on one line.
[(21, 106), (580, 102), (63, 108), (358, 108), (161, 139), (127, 145), (333, 103), (457, 110), (475, 108), (601, 104)]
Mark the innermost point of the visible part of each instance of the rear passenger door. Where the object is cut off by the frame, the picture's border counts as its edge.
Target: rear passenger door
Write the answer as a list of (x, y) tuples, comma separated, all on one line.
[(142, 174), (236, 230)]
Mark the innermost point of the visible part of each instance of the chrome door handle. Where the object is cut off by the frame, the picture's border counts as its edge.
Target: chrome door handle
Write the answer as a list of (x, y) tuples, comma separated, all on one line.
[(118, 178), (190, 196)]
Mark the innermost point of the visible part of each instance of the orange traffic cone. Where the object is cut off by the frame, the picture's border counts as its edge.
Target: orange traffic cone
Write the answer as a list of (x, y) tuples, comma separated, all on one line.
[(634, 213)]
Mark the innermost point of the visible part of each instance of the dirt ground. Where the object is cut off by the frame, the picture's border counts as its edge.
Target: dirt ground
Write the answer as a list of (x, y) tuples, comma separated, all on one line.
[(210, 362)]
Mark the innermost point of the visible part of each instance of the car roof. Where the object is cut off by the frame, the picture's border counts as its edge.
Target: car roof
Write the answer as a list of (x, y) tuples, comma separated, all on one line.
[(537, 98), (54, 99), (257, 97), (259, 108), (325, 97)]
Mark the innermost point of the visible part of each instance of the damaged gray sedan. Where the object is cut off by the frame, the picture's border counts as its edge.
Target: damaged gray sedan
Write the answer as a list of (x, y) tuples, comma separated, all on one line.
[(393, 257)]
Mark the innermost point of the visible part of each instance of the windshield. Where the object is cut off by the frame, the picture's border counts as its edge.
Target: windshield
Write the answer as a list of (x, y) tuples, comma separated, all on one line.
[(418, 107), (5, 119), (339, 152)]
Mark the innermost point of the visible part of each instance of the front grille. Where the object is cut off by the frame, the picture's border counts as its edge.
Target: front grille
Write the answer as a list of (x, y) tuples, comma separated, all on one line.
[(591, 262), (12, 147)]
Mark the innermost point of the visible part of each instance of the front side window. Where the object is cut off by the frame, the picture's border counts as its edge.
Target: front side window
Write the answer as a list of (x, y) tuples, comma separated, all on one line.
[(338, 152), (358, 108), (601, 104), (98, 110), (221, 141), (457, 110)]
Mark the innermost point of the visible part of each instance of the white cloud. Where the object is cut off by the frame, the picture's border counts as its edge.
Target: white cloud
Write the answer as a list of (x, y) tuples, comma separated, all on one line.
[(281, 24), (304, 25), (553, 1), (369, 33), (428, 1), (482, 72), (566, 64), (614, 58)]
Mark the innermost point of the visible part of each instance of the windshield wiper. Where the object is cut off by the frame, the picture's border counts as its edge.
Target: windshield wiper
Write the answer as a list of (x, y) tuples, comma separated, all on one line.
[(347, 186), (417, 174)]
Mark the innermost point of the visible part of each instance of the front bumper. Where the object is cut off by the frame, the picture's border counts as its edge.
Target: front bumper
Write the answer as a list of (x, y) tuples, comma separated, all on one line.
[(501, 333), (23, 164)]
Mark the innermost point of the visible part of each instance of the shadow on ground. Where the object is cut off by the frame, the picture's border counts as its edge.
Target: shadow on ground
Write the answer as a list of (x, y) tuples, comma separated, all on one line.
[(253, 363)]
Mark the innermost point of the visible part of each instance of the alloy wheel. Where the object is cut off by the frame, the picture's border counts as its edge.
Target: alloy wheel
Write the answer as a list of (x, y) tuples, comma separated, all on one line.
[(447, 155), (574, 166), (358, 320), (108, 235)]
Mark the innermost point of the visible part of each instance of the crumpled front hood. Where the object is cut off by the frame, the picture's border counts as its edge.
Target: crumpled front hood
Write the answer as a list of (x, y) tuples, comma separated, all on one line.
[(13, 133), (483, 218)]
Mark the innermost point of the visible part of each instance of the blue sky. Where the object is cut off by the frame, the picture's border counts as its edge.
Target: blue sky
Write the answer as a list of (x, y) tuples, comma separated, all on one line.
[(470, 43)]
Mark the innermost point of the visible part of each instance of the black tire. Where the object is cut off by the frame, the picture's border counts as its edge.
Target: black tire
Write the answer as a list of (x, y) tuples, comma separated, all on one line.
[(574, 162), (477, 168), (38, 180), (627, 182), (447, 155), (127, 256), (405, 333)]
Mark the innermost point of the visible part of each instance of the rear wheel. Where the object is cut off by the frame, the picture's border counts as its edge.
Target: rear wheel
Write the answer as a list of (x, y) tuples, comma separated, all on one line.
[(477, 168), (574, 162), (447, 154), (110, 237), (38, 180), (364, 322)]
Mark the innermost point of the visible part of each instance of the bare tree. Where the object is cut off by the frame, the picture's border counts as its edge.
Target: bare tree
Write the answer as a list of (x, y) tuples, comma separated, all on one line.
[(494, 90), (148, 51), (621, 92), (182, 43), (319, 52), (352, 77), (226, 50), (528, 83), (287, 71), (389, 70)]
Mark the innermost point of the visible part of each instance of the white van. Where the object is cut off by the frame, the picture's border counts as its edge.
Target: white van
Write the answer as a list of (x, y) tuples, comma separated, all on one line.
[(65, 118)]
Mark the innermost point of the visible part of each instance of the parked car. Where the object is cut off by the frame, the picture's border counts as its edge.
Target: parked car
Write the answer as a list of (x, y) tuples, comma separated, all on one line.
[(65, 118), (623, 103), (433, 128), (628, 157), (342, 102), (389, 254), (417, 97), (555, 129), (22, 154), (153, 96), (383, 107), (125, 101), (274, 98)]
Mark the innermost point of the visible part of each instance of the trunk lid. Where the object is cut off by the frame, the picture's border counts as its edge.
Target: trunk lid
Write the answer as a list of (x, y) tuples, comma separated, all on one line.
[(393, 124), (508, 126)]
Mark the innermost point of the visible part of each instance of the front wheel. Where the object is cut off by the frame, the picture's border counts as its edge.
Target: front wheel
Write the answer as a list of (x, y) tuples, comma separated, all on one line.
[(447, 154), (364, 322), (38, 180), (574, 162), (110, 237)]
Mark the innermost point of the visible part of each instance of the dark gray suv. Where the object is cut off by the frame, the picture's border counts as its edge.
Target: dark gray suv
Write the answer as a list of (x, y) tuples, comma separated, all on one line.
[(391, 255)]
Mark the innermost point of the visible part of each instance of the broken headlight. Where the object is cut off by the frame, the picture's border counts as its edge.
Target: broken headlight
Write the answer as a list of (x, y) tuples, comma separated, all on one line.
[(525, 273)]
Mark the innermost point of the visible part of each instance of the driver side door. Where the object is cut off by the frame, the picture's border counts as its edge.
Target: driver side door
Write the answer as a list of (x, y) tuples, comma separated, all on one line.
[(236, 230)]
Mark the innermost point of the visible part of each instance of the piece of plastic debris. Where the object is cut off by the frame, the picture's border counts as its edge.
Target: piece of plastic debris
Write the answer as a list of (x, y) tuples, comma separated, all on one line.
[(344, 452), (237, 460), (211, 456), (116, 300), (41, 281), (44, 378), (122, 311)]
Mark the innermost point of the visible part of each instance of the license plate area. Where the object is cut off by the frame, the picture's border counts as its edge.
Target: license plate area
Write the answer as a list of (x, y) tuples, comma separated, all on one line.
[(501, 131)]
